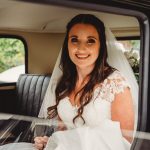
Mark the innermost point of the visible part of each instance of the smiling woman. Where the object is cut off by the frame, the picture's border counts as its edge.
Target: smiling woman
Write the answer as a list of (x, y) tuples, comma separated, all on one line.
[(88, 94), (99, 92)]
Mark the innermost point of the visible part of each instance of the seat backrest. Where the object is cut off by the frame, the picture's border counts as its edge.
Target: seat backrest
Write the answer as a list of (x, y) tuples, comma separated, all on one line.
[(31, 89)]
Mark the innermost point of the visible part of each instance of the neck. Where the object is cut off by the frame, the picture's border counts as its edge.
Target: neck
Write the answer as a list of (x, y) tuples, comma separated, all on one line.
[(82, 75)]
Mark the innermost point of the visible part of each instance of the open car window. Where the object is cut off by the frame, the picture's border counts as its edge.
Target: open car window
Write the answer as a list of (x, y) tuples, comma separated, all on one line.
[(12, 62)]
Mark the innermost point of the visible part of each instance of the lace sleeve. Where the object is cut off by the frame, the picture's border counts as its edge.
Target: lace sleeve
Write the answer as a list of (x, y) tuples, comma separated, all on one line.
[(114, 84)]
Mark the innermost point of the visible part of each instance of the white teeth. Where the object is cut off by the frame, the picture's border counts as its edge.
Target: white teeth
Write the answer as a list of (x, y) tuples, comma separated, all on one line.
[(82, 56)]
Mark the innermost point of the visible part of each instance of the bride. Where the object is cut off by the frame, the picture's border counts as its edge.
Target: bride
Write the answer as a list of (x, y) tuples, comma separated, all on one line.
[(92, 98), (90, 92)]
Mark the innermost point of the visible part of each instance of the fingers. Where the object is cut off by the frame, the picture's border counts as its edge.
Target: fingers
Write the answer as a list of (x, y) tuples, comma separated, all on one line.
[(40, 142), (39, 146), (45, 138)]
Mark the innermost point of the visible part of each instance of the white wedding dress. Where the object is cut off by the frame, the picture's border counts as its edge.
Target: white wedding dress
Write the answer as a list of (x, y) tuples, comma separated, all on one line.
[(99, 132)]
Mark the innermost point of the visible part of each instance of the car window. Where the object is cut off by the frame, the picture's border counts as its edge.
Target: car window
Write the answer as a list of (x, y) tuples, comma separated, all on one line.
[(12, 59), (132, 53)]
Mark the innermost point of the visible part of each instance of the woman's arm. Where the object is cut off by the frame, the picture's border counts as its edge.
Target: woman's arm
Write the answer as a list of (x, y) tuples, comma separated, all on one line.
[(122, 110)]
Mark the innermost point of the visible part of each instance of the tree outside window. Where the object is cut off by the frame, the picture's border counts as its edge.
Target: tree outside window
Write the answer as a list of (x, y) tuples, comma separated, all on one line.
[(12, 54)]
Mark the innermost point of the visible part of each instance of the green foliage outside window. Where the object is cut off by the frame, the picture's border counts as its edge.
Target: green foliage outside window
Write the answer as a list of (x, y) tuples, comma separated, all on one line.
[(12, 53), (135, 44), (133, 55)]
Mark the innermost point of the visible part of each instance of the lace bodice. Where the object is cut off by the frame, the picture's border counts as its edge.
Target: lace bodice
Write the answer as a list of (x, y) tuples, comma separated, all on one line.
[(99, 108)]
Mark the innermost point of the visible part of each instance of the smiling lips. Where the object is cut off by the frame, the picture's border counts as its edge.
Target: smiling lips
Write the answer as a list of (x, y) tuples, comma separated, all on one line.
[(82, 56)]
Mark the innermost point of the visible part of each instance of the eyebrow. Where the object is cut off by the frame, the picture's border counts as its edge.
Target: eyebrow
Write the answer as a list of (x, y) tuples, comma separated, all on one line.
[(74, 36), (92, 37)]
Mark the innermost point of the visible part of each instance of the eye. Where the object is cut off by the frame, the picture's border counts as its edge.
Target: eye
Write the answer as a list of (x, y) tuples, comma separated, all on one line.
[(91, 41), (74, 40)]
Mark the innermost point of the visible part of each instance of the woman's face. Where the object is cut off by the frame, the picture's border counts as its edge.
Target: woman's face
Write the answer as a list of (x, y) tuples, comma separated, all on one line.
[(83, 45)]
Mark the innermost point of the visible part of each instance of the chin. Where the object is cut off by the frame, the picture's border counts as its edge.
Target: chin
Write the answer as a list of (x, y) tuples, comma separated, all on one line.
[(85, 66)]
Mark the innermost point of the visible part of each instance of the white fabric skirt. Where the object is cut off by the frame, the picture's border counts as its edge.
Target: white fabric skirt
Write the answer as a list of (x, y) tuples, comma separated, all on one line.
[(107, 136), (18, 146)]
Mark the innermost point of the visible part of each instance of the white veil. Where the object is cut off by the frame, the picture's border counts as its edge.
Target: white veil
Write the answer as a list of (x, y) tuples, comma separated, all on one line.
[(116, 59), (50, 98)]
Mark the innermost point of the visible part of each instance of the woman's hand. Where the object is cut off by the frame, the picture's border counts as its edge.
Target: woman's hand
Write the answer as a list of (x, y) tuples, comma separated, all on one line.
[(40, 142)]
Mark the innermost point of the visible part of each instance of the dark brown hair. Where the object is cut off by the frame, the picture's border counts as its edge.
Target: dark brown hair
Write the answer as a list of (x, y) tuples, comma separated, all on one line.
[(68, 80)]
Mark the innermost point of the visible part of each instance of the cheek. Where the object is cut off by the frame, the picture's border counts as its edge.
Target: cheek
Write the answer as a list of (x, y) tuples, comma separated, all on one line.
[(72, 46), (96, 50), (96, 53), (72, 49)]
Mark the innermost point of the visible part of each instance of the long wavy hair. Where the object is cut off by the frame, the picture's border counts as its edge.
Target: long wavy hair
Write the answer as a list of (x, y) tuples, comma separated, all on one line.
[(68, 80)]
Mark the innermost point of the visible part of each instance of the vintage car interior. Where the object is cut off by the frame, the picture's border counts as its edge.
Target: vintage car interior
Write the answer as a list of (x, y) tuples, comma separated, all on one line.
[(43, 34), (40, 27)]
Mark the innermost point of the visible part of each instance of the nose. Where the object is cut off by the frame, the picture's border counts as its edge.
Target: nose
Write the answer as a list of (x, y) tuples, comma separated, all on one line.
[(82, 47)]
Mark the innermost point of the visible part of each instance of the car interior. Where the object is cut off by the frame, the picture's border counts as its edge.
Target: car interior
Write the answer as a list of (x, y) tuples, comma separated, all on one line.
[(41, 29), (43, 33)]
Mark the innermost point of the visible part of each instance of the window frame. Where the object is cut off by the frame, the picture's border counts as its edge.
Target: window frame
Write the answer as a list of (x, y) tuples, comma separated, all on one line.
[(125, 38)]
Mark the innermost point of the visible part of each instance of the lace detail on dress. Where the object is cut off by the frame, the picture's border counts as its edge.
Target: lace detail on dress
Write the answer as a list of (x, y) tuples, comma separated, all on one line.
[(113, 84)]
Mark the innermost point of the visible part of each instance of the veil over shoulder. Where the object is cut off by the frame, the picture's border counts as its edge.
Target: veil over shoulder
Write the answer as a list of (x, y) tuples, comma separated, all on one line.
[(49, 99)]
